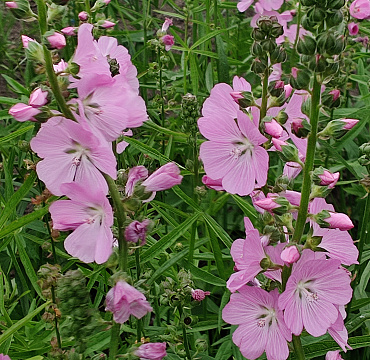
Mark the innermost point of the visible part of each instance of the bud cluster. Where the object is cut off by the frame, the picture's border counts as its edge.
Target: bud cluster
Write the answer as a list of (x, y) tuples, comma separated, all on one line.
[(264, 46), (190, 113)]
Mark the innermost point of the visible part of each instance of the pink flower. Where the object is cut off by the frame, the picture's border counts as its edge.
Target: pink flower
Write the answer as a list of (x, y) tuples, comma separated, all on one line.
[(90, 215), (288, 90), (57, 40), (151, 351), (278, 144), (4, 357), (168, 41), (38, 98), (353, 28), (294, 72), (83, 15), (339, 221), (212, 184), (313, 291), (236, 95), (70, 30), (349, 123), (124, 300), (333, 355), (233, 153), (26, 40), (107, 24), (268, 204), (23, 112), (271, 4), (61, 66), (11, 5), (338, 331), (244, 5), (360, 9), (273, 128), (72, 153), (290, 254), (136, 231), (164, 178), (199, 295), (261, 323), (329, 179), (335, 93), (167, 23), (135, 174)]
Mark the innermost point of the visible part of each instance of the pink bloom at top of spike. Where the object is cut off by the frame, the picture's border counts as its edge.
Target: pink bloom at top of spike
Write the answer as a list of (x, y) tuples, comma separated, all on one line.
[(314, 289), (57, 40), (164, 178), (151, 351), (71, 152), (167, 23), (168, 41), (329, 179), (22, 112), (360, 9), (233, 153), (124, 300), (109, 105), (247, 255), (38, 98), (353, 28), (90, 215), (135, 174), (136, 231), (261, 323), (333, 355), (212, 184)]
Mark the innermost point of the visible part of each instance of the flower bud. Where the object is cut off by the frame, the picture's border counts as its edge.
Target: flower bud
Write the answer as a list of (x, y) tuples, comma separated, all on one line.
[(333, 220), (335, 4), (282, 117), (11, 5), (69, 31), (21, 10), (287, 152), (277, 205), (318, 63), (337, 128), (331, 99), (136, 231), (276, 88), (22, 112), (308, 2), (57, 40), (38, 98), (268, 45), (300, 127), (273, 128), (325, 177), (353, 28), (334, 18), (307, 45), (257, 34), (106, 24), (307, 23), (316, 15), (168, 41), (290, 254), (259, 66), (83, 15), (256, 49), (276, 30), (300, 79), (278, 56), (198, 294)]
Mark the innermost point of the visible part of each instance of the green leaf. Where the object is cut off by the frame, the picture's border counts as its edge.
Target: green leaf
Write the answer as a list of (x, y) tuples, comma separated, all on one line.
[(207, 37), (206, 276), (19, 324), (16, 86), (166, 241), (354, 323), (194, 76), (8, 100), (249, 211), (358, 304), (17, 198), (218, 230), (187, 199), (15, 134), (222, 63)]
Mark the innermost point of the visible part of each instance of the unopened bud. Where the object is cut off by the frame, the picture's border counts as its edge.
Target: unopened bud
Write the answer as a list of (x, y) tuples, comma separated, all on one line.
[(290, 254), (300, 127), (337, 128), (273, 128), (334, 18), (300, 79), (306, 46), (259, 66), (333, 220), (83, 15)]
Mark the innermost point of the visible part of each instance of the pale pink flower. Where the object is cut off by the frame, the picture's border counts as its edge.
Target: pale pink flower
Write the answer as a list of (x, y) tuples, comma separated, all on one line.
[(124, 300), (267, 204), (313, 291), (11, 5), (26, 40), (360, 9), (273, 128), (276, 72), (199, 295), (136, 231), (353, 28), (167, 23), (61, 66), (212, 184), (107, 24), (329, 179), (4, 357), (71, 152), (69, 30), (137, 173), (261, 323), (271, 4), (244, 5), (90, 215), (163, 178), (233, 153), (38, 98), (57, 40), (290, 254), (338, 331), (151, 351), (22, 112), (168, 41), (333, 355), (83, 15)]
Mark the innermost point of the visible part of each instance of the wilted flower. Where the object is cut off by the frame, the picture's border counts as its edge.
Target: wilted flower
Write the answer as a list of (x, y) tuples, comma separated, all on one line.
[(199, 294), (167, 23), (136, 231), (124, 300)]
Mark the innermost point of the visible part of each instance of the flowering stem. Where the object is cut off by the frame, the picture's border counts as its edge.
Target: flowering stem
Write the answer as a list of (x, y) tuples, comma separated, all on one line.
[(113, 347), (88, 9), (121, 217), (265, 83), (310, 156), (298, 349), (294, 51)]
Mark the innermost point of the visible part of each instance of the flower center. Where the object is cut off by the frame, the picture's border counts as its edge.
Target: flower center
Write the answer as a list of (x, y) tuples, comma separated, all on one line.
[(305, 290), (240, 148)]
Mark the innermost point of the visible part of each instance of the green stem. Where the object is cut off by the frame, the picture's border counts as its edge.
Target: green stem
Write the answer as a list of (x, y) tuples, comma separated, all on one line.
[(88, 9), (185, 87), (186, 342), (41, 10), (294, 51), (310, 156), (113, 347), (59, 340), (298, 349), (265, 84)]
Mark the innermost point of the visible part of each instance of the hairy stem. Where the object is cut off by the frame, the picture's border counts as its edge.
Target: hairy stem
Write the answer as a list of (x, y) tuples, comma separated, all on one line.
[(294, 51), (310, 156), (298, 349), (265, 83)]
